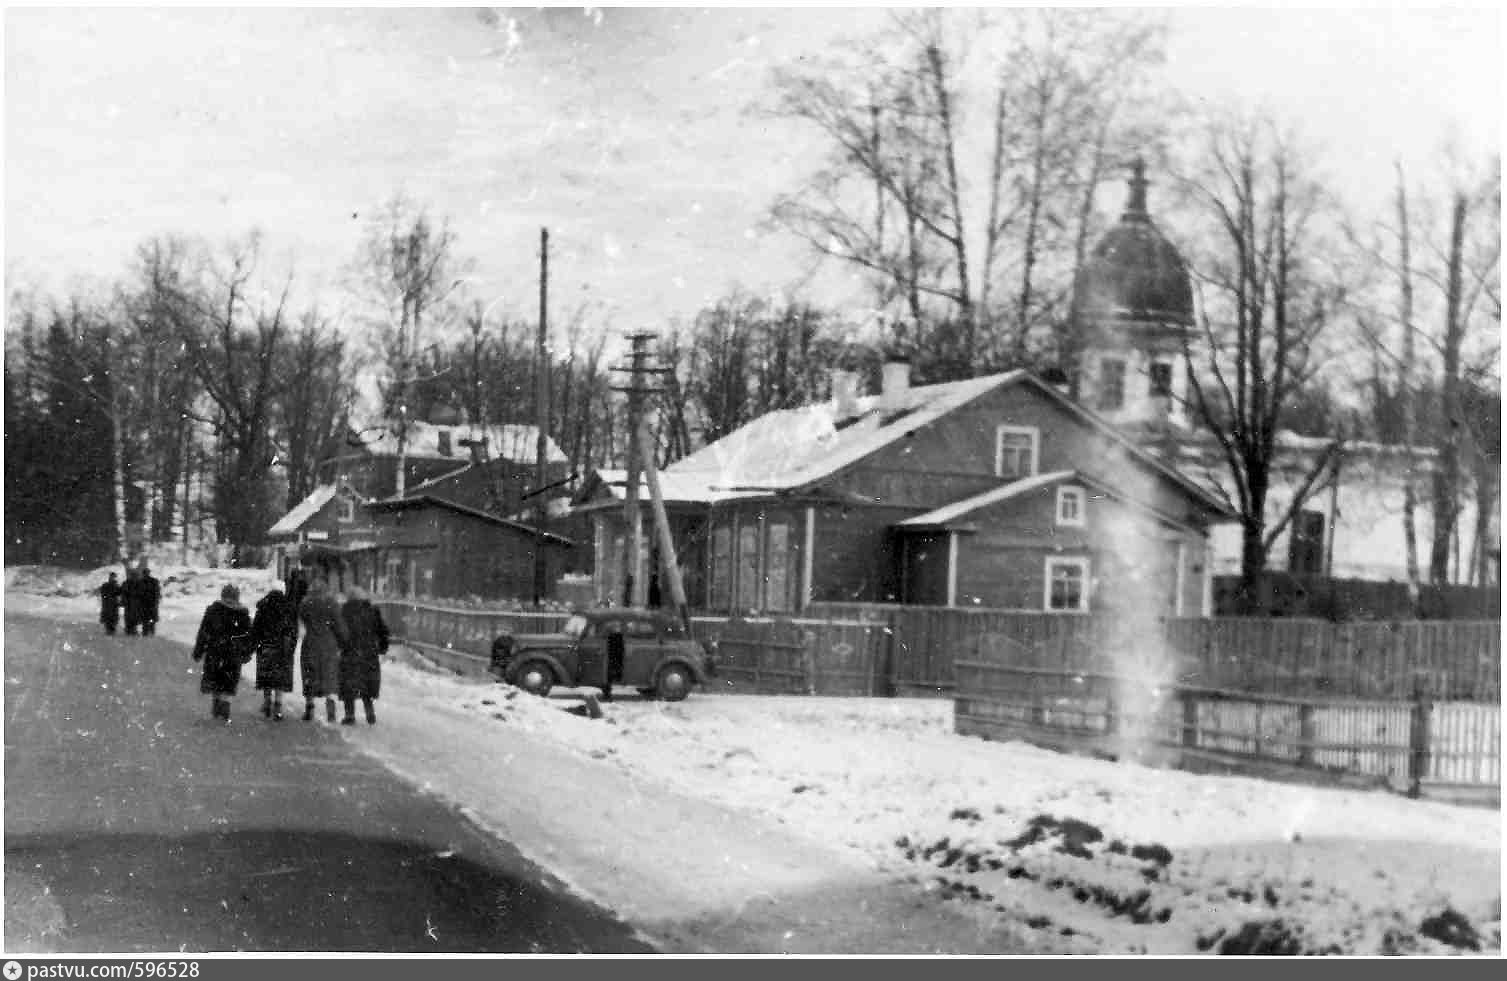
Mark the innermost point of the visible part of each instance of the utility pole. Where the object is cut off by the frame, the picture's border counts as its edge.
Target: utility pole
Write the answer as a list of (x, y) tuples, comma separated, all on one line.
[(641, 460), (541, 389), (634, 590)]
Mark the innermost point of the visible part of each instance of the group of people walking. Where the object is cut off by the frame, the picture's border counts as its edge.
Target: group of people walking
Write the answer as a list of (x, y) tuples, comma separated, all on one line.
[(341, 650), (140, 596)]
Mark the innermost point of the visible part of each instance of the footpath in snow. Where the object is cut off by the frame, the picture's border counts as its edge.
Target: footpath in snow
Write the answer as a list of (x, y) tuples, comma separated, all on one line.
[(737, 823)]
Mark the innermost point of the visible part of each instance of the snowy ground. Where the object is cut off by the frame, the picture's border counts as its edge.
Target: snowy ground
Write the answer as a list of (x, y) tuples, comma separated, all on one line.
[(794, 796)]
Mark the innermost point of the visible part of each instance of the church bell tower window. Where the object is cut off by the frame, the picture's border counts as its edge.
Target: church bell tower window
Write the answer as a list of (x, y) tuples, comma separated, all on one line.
[(1161, 379), (1111, 384)]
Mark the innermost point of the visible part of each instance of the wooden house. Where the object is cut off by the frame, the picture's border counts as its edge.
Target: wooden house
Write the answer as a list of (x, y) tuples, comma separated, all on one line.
[(447, 536), (993, 492), (491, 468), (417, 546)]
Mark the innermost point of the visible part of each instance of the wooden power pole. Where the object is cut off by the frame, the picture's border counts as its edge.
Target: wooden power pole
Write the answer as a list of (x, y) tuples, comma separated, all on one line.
[(541, 443), (641, 461)]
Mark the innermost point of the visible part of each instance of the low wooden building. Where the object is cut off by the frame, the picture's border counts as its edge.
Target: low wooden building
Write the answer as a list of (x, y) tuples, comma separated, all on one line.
[(995, 492), (419, 546)]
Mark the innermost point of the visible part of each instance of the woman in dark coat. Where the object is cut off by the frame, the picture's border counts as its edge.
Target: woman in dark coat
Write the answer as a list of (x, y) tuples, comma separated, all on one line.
[(109, 603), (361, 661), (132, 601), (223, 644), (274, 630), (324, 639)]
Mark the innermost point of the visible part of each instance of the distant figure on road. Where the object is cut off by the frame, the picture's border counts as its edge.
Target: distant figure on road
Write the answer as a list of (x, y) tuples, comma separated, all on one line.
[(324, 639), (132, 600), (109, 603), (151, 600), (274, 631), (361, 661), (223, 644)]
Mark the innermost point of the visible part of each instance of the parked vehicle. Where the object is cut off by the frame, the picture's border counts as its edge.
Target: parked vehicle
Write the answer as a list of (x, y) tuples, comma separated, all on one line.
[(644, 649)]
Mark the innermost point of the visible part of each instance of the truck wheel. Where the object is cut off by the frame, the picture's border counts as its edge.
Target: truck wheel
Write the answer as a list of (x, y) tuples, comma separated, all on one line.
[(673, 683), (536, 678)]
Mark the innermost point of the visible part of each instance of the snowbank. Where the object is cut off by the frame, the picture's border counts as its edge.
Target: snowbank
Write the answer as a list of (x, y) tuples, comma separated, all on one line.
[(1091, 855)]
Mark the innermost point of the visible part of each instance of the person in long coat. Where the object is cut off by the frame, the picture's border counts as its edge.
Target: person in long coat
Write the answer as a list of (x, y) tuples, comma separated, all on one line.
[(151, 602), (361, 661), (223, 644), (132, 600), (274, 631), (324, 639), (109, 603)]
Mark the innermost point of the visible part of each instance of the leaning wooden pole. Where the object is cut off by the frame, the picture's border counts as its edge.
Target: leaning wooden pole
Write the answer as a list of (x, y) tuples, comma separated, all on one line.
[(662, 526)]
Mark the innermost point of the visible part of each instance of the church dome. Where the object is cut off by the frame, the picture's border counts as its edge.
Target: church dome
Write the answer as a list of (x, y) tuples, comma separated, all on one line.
[(1134, 273)]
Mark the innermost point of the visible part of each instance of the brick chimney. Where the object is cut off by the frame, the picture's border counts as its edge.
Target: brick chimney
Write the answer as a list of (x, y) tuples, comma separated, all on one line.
[(844, 394), (896, 384)]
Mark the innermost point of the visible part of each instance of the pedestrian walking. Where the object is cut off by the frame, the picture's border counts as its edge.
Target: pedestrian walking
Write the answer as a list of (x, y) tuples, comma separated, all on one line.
[(361, 661), (223, 645), (151, 601), (274, 633), (109, 603), (319, 658), (132, 601)]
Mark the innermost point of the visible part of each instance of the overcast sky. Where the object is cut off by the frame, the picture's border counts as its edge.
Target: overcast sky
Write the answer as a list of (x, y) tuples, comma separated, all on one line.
[(623, 130)]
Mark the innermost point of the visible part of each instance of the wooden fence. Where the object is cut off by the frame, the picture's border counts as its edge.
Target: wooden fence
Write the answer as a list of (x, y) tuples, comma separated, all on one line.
[(762, 656), (1286, 595), (871, 649), (1459, 659), (1418, 744)]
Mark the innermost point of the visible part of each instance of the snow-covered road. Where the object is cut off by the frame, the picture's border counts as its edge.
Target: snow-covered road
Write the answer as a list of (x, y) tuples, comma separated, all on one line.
[(793, 818)]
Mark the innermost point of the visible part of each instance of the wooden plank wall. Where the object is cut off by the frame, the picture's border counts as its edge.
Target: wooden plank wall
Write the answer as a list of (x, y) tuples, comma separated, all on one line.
[(1455, 659)]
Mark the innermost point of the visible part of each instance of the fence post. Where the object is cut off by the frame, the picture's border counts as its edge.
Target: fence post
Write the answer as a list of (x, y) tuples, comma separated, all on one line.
[(1418, 736), (1190, 718), (808, 660), (1305, 734)]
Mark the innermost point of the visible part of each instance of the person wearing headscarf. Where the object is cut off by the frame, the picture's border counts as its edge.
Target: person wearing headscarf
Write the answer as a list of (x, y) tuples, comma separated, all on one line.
[(274, 632), (361, 661), (319, 657), (223, 645)]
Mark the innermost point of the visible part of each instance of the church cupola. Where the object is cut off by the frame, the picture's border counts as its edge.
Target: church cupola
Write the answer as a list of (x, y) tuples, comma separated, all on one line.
[(1133, 302)]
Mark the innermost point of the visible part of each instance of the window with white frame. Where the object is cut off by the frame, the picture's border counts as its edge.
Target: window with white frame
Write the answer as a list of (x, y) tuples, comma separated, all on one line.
[(1071, 506), (1015, 451), (347, 508), (1067, 585)]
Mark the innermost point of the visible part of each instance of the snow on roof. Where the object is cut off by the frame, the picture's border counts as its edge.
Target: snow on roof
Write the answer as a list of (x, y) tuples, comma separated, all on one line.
[(676, 488), (1014, 489), (289, 523), (790, 448), (440, 479), (509, 441)]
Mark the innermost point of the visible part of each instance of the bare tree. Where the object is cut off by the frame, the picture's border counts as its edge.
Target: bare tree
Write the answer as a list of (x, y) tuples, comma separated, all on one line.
[(236, 357), (1266, 299), (312, 404), (408, 267), (977, 275), (1408, 372)]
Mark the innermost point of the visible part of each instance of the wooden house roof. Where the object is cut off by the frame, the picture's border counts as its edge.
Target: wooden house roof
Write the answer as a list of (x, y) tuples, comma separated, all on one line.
[(425, 500), (514, 442), (290, 523)]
